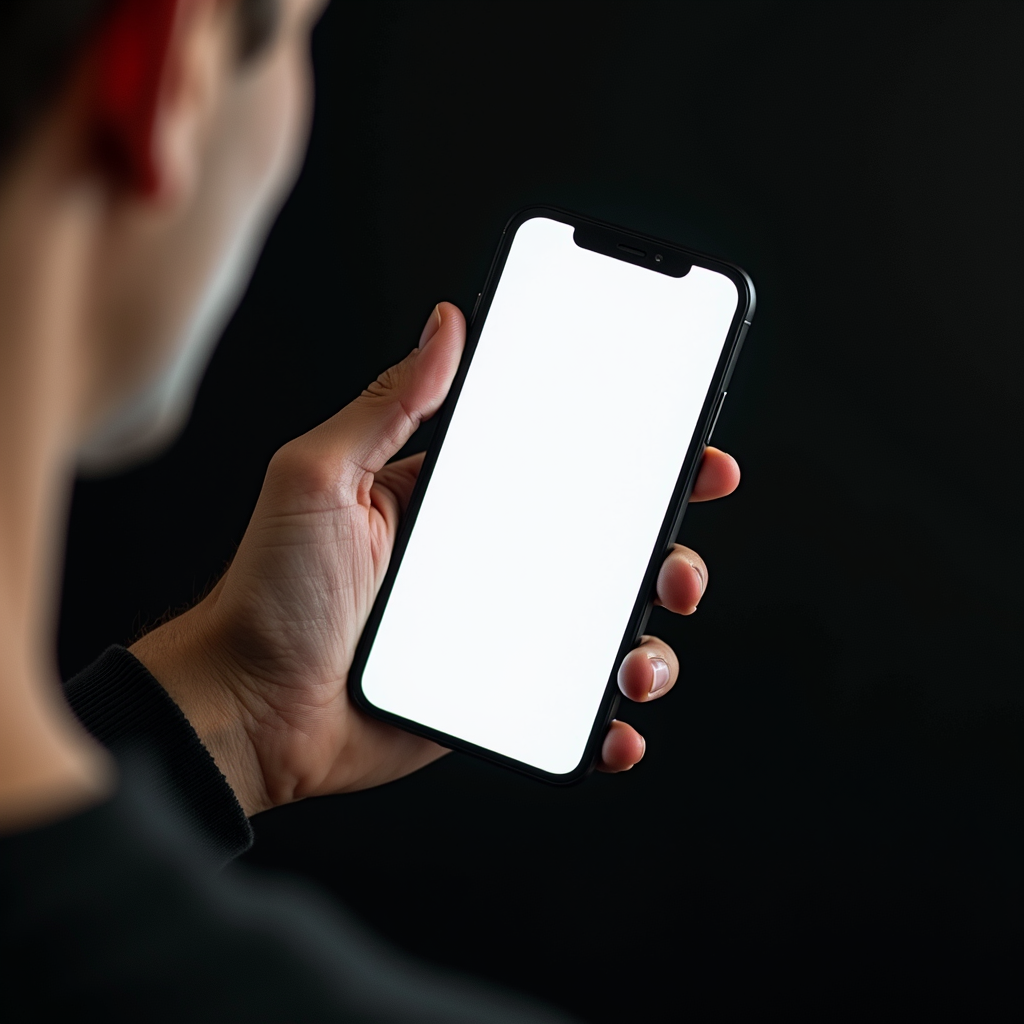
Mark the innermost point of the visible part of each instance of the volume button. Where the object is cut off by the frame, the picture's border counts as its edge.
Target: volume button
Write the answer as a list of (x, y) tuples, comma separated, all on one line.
[(476, 306), (715, 415)]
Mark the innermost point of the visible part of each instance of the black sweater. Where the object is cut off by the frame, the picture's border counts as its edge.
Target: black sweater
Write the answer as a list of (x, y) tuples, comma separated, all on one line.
[(121, 912)]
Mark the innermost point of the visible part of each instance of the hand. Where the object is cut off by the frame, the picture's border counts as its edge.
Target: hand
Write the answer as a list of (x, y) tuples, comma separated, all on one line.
[(260, 665)]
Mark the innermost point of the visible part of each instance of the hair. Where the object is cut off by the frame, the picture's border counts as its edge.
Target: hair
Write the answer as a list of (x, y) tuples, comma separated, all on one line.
[(41, 39)]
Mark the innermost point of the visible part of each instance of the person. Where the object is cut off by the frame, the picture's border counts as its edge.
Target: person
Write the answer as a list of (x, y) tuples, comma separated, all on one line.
[(145, 146)]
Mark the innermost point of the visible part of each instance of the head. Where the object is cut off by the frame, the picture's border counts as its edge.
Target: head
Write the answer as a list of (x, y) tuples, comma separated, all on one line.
[(161, 136)]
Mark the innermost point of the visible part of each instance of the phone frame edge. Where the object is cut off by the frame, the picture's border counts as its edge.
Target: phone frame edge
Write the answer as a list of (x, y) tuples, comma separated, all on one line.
[(644, 603)]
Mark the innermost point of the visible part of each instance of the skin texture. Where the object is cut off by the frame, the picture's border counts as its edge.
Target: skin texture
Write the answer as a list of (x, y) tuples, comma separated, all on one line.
[(101, 268)]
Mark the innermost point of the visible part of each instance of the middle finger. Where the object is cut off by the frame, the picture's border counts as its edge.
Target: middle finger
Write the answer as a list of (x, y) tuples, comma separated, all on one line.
[(682, 580)]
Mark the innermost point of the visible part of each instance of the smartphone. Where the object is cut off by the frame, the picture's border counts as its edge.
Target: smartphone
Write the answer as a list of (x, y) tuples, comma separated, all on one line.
[(596, 363)]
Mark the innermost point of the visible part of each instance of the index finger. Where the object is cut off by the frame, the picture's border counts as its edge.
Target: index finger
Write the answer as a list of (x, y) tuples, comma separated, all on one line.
[(719, 475)]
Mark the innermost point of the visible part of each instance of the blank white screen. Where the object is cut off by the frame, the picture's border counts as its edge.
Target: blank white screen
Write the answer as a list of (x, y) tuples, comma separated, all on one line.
[(547, 497)]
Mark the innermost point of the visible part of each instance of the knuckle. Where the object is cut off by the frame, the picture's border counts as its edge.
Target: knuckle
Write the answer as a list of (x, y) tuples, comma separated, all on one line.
[(389, 388), (386, 383), (302, 469)]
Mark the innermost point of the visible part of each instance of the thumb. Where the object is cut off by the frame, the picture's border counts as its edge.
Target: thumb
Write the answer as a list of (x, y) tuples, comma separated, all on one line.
[(367, 432)]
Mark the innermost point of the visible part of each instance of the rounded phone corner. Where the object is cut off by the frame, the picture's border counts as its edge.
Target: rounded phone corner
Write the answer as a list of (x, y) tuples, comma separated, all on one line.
[(354, 685), (751, 295), (533, 211), (584, 768), (745, 285), (564, 780)]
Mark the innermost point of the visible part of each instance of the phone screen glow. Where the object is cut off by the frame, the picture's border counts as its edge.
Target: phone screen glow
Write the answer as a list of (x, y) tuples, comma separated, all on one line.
[(551, 486)]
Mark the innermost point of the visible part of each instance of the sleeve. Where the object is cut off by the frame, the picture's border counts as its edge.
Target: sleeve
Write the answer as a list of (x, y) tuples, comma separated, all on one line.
[(114, 914), (127, 710)]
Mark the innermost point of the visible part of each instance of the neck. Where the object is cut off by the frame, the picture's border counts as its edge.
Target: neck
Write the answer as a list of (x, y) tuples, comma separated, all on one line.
[(47, 763)]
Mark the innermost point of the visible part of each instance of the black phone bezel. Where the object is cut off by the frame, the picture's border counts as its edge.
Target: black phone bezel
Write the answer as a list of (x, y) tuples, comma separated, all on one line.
[(670, 524)]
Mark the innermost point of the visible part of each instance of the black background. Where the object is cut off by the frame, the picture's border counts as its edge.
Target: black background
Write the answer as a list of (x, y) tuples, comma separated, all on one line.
[(826, 821)]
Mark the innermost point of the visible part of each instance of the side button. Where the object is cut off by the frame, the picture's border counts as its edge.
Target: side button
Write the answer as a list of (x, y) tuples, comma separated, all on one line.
[(476, 306), (715, 415)]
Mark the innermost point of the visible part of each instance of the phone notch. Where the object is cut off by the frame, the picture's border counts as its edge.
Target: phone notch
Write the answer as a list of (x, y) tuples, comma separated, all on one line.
[(621, 246)]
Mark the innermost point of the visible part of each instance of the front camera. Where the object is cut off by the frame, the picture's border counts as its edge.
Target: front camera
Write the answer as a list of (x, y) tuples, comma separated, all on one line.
[(657, 258)]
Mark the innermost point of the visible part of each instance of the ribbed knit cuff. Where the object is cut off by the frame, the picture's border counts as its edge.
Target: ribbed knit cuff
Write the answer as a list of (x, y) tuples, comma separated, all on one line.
[(126, 709)]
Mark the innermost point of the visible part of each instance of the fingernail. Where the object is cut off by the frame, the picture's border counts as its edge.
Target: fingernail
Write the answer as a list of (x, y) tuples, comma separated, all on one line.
[(661, 675), (700, 577), (431, 327)]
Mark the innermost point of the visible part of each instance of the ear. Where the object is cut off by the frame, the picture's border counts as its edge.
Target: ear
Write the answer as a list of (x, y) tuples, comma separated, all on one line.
[(155, 89)]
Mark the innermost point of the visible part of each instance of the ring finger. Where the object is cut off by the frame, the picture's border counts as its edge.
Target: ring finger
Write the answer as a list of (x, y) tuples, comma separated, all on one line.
[(649, 671)]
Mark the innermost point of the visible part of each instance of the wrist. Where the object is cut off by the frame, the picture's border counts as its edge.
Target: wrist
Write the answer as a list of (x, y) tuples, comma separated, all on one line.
[(182, 656)]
